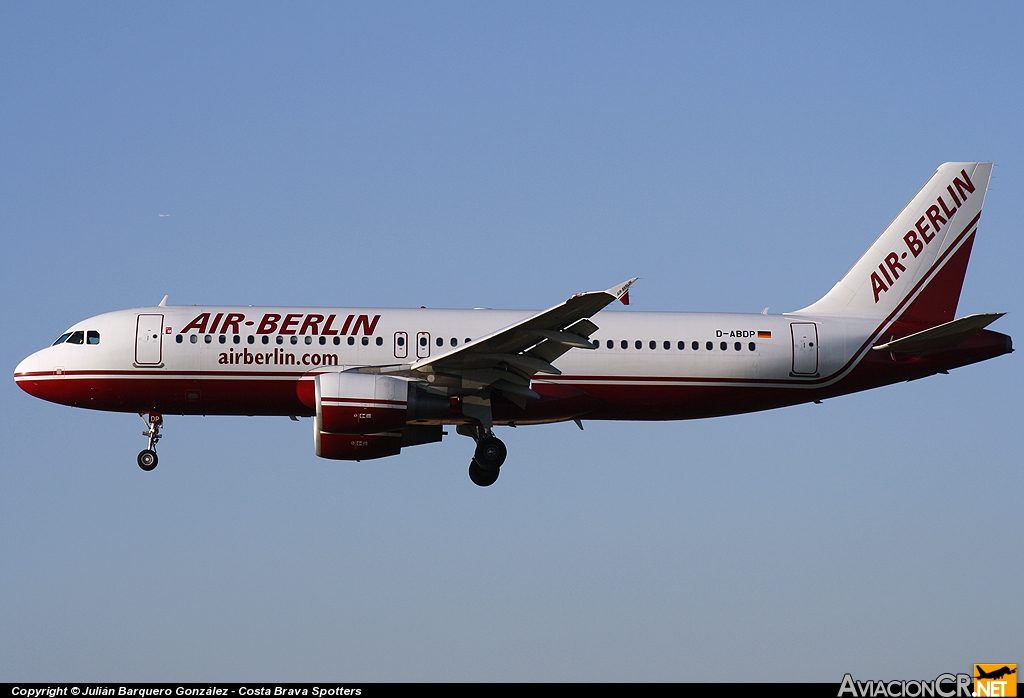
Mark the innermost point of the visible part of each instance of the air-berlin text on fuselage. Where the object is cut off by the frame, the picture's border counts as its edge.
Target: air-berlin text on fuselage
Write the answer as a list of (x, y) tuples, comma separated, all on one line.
[(936, 216), (289, 323)]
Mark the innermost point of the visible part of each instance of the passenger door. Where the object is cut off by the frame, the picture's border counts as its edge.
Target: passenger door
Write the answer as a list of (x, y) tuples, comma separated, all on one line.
[(805, 348), (149, 333)]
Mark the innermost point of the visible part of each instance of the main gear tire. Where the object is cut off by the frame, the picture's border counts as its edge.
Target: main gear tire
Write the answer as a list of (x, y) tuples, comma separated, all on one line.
[(490, 453), (481, 477)]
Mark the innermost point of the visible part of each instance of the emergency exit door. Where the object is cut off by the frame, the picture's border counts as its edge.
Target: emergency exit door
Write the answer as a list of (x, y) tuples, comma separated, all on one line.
[(149, 332), (805, 348), (422, 345), (401, 345)]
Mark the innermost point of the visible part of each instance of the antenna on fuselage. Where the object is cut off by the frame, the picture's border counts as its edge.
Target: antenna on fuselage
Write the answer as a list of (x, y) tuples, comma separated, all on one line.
[(163, 303)]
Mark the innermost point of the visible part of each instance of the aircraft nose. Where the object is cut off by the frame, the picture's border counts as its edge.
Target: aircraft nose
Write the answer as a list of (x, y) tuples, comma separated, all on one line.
[(29, 367)]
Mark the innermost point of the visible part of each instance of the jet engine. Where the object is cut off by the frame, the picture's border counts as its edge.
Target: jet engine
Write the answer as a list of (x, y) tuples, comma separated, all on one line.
[(362, 416)]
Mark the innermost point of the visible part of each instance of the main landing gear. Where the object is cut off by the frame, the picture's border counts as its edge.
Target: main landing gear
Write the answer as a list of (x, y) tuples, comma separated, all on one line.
[(489, 455), (147, 457)]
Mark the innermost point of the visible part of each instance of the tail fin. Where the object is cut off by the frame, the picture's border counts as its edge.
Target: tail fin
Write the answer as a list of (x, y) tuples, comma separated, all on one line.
[(916, 267)]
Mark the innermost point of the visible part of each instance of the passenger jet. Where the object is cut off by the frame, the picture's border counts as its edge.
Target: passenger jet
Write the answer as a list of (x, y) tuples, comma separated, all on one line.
[(377, 380)]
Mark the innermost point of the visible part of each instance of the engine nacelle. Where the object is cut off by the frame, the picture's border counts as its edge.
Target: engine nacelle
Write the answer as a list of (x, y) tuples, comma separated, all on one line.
[(360, 403), (356, 446), (361, 416)]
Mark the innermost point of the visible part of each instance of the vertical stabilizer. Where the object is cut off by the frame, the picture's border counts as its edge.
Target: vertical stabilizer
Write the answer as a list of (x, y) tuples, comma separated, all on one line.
[(916, 266)]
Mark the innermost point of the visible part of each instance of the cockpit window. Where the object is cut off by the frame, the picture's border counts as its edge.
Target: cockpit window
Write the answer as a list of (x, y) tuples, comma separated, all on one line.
[(92, 337), (60, 340), (77, 338)]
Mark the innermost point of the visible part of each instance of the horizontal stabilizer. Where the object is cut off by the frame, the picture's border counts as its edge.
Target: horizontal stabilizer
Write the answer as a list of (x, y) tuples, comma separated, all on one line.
[(942, 336)]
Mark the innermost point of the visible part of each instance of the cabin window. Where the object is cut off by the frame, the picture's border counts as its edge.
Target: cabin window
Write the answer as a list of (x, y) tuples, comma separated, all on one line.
[(654, 345), (323, 340), (337, 340), (752, 347), (92, 337), (423, 341), (351, 341), (440, 342), (468, 340), (237, 339), (695, 346), (380, 341), (294, 339), (454, 342), (624, 344), (193, 338), (250, 339), (208, 338), (610, 344), (400, 341), (710, 346), (266, 339), (366, 340), (597, 343), (724, 346), (223, 339), (681, 345), (638, 344), (737, 346), (309, 340), (280, 339), (179, 339), (667, 345)]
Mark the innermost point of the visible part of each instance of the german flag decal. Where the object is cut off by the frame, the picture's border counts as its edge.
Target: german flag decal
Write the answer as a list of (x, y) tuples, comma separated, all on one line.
[(761, 334)]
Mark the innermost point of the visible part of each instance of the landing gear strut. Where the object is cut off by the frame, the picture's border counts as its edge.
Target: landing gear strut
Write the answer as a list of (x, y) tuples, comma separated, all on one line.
[(147, 457), (489, 455)]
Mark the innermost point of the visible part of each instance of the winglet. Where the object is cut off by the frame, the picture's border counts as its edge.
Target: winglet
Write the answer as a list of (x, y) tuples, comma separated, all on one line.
[(621, 292), (163, 303)]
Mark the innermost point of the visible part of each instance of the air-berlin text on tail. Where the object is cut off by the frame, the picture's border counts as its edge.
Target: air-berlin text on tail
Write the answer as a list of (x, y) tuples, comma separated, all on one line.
[(936, 216), (289, 323)]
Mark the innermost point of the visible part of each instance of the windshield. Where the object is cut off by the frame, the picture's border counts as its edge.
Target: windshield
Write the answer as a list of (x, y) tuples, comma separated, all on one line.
[(62, 338)]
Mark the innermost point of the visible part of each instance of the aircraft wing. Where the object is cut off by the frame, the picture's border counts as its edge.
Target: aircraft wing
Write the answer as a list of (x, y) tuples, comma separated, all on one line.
[(506, 359)]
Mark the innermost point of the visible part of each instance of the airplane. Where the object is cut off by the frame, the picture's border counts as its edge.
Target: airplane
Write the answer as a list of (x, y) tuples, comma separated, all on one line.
[(996, 674), (375, 381)]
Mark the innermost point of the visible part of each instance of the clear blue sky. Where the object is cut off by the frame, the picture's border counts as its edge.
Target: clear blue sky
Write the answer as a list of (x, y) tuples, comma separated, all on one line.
[(504, 155)]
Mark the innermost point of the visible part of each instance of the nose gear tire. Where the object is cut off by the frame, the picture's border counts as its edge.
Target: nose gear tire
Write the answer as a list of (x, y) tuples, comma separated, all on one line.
[(147, 459)]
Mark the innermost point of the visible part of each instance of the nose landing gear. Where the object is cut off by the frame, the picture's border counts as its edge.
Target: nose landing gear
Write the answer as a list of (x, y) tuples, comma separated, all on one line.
[(489, 455), (147, 459)]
